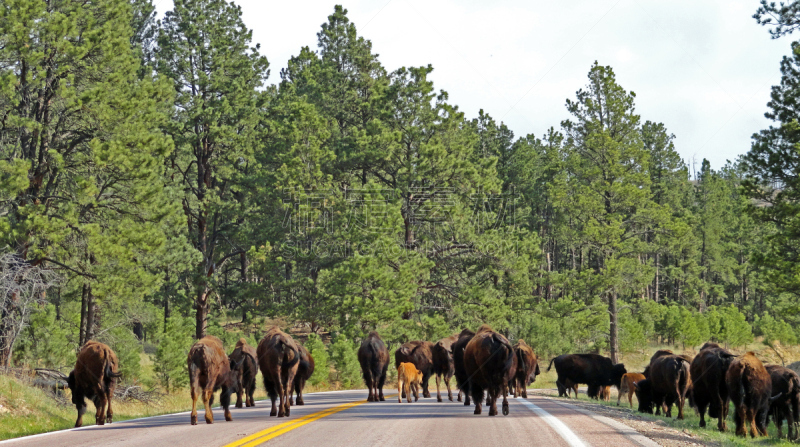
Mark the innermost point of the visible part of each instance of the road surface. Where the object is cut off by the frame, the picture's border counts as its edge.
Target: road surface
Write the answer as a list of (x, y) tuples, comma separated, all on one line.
[(345, 419)]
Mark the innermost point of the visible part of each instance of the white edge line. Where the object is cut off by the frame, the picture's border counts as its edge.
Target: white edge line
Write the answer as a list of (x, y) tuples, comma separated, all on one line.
[(626, 430), (568, 435), (40, 435)]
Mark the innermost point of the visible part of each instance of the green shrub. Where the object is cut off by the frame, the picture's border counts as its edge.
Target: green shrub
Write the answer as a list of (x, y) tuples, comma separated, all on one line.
[(45, 342), (321, 360), (173, 349), (343, 354), (128, 350)]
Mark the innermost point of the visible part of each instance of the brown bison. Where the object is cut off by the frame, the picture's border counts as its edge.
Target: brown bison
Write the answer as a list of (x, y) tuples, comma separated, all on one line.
[(304, 370), (245, 355), (527, 368), (591, 369), (420, 353), (374, 359), (443, 366), (667, 384), (94, 377), (409, 379), (490, 363), (786, 403), (708, 370), (278, 359), (462, 378), (210, 370), (627, 386), (750, 389)]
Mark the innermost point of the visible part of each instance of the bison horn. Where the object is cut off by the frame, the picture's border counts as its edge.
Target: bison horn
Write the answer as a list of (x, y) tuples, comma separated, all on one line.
[(775, 397)]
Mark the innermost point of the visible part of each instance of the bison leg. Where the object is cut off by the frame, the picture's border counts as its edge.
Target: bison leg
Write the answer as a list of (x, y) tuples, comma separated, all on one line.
[(761, 422), (751, 418), (701, 410), (208, 397), (286, 390), (505, 401), (739, 418), (491, 400), (100, 408), (81, 407), (477, 396), (239, 400), (399, 390), (415, 389), (194, 405), (425, 379), (300, 385), (109, 411), (381, 381), (447, 384), (438, 393), (370, 382), (251, 389), (225, 401)]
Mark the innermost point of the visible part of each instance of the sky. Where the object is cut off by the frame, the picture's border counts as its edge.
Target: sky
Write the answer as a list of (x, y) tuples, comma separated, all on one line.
[(703, 68)]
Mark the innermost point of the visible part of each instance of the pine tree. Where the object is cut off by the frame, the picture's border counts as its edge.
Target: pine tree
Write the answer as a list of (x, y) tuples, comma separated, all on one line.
[(204, 48)]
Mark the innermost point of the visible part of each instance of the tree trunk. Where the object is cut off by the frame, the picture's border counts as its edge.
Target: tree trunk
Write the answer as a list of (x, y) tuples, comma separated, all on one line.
[(201, 316), (91, 313), (614, 328), (84, 307)]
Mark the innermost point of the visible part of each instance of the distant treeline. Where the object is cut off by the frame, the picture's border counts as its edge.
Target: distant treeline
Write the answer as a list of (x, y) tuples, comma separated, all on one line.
[(148, 165)]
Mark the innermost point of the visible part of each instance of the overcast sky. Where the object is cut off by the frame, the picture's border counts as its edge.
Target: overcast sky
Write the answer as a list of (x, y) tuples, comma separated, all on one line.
[(703, 68)]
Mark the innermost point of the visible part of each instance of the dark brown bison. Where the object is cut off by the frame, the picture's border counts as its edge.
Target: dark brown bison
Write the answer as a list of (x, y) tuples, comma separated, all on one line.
[(245, 355), (786, 403), (443, 365), (627, 386), (708, 370), (374, 359), (667, 384), (210, 370), (527, 368), (462, 378), (591, 369), (278, 359), (750, 389), (657, 354), (94, 377), (304, 370), (490, 363), (420, 353)]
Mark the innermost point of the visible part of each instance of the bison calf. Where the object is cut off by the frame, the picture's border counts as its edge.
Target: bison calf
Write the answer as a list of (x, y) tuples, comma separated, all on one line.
[(627, 386), (373, 356), (278, 358), (750, 387), (245, 355), (409, 379), (210, 370), (304, 370), (94, 377)]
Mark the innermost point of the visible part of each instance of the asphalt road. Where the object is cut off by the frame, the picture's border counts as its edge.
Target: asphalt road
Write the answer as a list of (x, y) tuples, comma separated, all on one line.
[(345, 419)]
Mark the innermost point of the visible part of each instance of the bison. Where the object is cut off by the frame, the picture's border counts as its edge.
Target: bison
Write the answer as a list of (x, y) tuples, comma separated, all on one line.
[(627, 386), (246, 355), (211, 370), (94, 377), (527, 368), (786, 386), (409, 379), (421, 355), (750, 388), (591, 369), (278, 359), (490, 363), (599, 392), (443, 367), (462, 378), (708, 370), (374, 359), (304, 370), (667, 384)]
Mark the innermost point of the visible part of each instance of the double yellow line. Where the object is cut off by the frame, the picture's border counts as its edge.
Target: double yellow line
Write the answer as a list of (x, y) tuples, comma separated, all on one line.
[(273, 432)]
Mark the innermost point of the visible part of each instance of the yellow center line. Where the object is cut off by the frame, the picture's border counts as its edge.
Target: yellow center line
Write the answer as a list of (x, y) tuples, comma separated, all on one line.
[(273, 432)]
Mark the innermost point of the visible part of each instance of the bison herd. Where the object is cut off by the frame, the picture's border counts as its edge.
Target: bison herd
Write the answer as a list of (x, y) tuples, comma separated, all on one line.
[(485, 365)]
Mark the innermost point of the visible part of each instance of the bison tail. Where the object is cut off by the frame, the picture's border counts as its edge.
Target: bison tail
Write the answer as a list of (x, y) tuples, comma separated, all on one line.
[(521, 360), (296, 357), (551, 364)]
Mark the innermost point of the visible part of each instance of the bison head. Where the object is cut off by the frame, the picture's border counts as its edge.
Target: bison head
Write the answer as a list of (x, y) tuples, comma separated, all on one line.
[(644, 393)]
